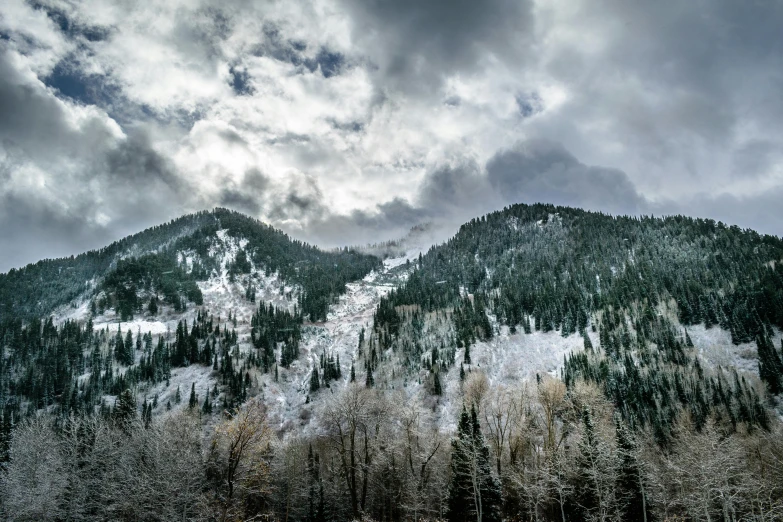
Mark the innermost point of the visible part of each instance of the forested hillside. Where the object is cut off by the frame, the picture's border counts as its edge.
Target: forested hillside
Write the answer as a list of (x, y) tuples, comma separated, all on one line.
[(545, 363), (639, 282), (47, 363)]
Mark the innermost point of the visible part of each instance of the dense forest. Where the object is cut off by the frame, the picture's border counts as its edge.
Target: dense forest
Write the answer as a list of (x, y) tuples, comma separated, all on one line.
[(633, 426)]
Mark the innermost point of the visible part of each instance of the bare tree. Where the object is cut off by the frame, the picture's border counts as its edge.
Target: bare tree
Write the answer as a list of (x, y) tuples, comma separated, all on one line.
[(353, 420), (35, 482), (552, 401), (705, 476), (239, 455), (421, 443), (500, 416)]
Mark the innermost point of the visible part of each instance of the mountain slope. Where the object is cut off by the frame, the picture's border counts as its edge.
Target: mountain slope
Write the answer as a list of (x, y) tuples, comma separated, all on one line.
[(638, 283), (215, 290)]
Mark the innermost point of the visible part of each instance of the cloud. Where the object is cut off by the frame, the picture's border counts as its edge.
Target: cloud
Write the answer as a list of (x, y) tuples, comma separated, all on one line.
[(417, 44), (544, 171), (70, 177), (344, 121)]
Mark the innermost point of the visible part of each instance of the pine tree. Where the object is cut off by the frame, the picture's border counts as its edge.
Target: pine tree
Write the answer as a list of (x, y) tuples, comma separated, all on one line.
[(125, 410), (630, 484), (129, 347), (369, 380), (437, 390), (466, 359), (207, 408), (315, 382), (353, 373), (588, 343), (178, 396), (474, 493), (193, 402), (770, 364)]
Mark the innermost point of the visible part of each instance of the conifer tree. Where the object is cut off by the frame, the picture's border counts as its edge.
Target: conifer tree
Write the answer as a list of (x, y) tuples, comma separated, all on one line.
[(770, 364), (369, 380), (474, 493), (588, 343), (125, 410), (193, 402), (630, 484), (315, 382)]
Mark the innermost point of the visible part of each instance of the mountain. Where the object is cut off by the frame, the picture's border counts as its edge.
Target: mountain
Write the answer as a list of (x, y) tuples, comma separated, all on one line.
[(555, 363), (169, 259), (165, 292), (640, 283)]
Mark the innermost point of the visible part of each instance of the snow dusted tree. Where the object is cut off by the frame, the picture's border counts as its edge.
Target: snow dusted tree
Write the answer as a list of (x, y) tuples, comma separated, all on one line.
[(35, 483), (596, 473), (474, 493)]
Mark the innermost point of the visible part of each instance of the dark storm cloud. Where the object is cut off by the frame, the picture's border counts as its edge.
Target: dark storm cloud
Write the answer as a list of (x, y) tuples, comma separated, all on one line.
[(457, 192), (676, 83), (249, 196), (759, 212), (544, 171), (419, 42), (133, 161), (30, 117), (756, 157)]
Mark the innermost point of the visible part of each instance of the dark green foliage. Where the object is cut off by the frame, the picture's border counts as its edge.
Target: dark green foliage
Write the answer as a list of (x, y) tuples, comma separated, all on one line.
[(315, 488), (436, 386), (563, 269), (561, 264), (149, 275), (125, 409), (474, 493), (770, 364), (271, 326), (631, 488), (193, 402), (369, 380), (322, 275), (37, 289), (330, 368)]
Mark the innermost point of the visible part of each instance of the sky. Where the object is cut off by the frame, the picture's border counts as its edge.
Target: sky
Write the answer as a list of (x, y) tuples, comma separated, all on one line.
[(350, 121)]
